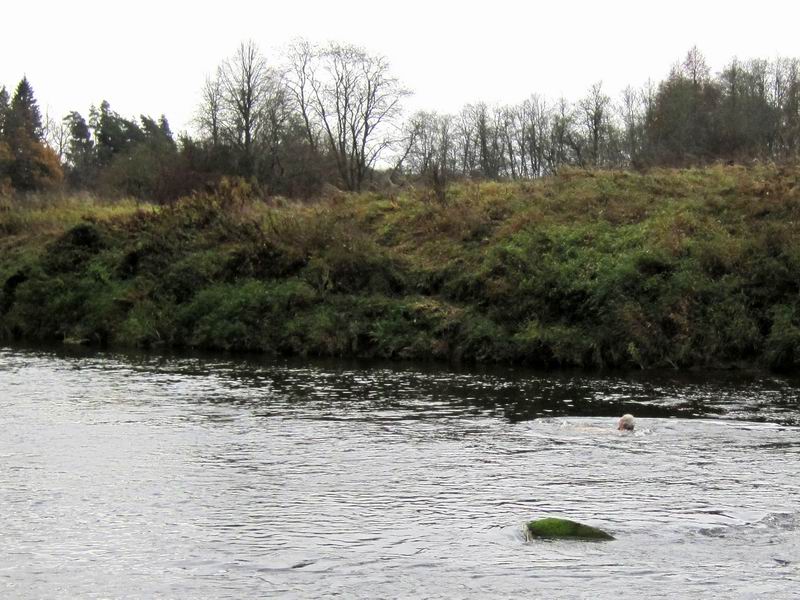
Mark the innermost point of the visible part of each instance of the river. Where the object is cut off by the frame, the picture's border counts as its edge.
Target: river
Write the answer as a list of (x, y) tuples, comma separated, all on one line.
[(142, 476)]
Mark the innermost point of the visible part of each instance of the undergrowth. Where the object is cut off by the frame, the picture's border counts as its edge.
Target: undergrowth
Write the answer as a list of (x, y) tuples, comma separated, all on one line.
[(697, 267)]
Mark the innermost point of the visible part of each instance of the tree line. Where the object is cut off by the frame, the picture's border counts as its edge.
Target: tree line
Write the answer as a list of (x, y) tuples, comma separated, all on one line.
[(332, 115)]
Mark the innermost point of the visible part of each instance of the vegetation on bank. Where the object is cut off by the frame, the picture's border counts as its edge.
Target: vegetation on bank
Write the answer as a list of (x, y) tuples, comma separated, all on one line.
[(697, 267)]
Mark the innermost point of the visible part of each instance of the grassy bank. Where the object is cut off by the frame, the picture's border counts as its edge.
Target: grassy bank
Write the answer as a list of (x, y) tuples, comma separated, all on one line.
[(671, 268)]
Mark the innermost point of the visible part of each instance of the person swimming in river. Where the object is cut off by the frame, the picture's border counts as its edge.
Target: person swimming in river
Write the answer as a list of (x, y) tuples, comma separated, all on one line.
[(626, 423)]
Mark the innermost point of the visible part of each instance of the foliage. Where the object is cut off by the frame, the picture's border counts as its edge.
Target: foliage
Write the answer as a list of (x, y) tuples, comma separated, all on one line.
[(595, 269), (26, 163)]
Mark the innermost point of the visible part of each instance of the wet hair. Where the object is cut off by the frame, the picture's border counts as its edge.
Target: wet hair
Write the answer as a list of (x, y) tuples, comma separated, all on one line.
[(626, 423)]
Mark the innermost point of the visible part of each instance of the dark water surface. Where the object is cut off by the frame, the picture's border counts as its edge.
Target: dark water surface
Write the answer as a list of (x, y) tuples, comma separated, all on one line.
[(140, 477)]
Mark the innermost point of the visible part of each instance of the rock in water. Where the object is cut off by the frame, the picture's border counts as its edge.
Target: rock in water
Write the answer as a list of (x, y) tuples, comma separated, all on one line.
[(564, 529)]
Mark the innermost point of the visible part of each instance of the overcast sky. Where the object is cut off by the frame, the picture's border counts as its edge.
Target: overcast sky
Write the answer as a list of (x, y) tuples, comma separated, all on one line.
[(151, 57)]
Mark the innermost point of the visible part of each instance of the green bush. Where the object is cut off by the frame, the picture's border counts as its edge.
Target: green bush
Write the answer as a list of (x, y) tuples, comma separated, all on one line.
[(594, 269)]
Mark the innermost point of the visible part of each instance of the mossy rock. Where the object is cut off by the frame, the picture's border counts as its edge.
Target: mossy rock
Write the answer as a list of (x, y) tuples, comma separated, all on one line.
[(564, 529)]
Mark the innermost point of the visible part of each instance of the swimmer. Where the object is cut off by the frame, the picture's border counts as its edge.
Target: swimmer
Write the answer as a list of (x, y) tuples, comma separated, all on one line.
[(626, 423)]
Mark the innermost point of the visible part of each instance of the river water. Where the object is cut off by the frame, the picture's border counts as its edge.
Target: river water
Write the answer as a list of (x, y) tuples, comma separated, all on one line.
[(193, 477)]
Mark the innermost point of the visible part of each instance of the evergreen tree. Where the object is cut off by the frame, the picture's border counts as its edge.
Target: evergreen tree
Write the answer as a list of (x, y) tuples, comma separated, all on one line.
[(113, 134), (24, 117), (748, 124), (33, 164), (6, 158), (681, 124), (80, 151), (157, 134), (4, 108), (163, 125)]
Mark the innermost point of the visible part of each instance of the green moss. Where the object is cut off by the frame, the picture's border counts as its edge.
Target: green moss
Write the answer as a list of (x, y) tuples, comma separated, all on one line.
[(564, 529)]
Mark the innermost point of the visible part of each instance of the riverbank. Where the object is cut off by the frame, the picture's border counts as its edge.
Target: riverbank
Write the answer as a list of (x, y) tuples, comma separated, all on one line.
[(692, 268)]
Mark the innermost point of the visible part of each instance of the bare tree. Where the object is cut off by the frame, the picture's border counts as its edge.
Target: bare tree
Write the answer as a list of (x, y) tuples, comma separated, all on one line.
[(508, 130), (299, 72), (356, 101), (431, 154), (694, 67), (56, 134), (536, 119), (787, 84), (633, 110), (276, 113), (562, 138), (593, 115), (464, 140), (208, 119), (247, 84)]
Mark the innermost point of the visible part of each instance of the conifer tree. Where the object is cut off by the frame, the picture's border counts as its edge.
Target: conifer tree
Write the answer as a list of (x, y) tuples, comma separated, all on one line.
[(80, 150), (24, 116), (4, 107), (157, 134), (163, 125), (33, 165), (5, 151), (113, 133)]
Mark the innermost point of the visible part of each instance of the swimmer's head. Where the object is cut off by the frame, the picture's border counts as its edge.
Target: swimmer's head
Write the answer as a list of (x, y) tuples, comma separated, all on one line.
[(626, 423)]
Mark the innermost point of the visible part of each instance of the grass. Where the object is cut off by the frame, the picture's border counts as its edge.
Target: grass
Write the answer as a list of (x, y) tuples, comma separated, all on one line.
[(689, 268)]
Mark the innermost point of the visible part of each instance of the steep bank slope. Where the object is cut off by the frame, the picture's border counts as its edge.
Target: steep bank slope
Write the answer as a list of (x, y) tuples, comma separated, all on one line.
[(671, 268)]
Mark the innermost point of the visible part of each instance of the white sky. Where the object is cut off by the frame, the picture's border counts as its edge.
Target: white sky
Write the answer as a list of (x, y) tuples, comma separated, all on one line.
[(152, 57)]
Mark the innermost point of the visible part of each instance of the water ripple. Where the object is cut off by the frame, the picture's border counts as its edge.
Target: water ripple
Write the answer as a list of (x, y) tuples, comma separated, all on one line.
[(142, 476)]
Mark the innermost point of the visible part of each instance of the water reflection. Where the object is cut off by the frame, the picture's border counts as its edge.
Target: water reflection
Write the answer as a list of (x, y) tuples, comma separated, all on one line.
[(515, 394)]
